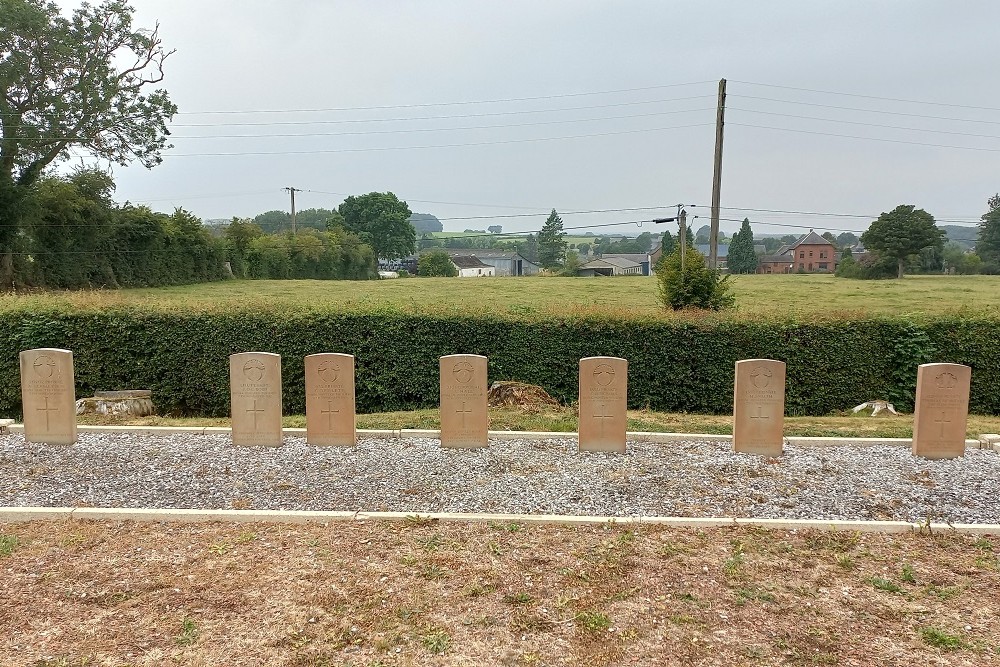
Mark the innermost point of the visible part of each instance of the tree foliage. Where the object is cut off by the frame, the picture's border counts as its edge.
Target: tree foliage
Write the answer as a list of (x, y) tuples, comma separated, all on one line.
[(741, 257), (436, 263), (552, 242), (697, 286), (902, 232), (382, 221), (988, 240), (80, 83)]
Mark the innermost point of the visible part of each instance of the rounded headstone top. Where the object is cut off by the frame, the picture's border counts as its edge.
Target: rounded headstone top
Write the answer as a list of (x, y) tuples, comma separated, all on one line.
[(121, 395)]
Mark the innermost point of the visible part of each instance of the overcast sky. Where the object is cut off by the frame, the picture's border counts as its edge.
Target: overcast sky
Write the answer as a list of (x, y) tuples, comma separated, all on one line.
[(525, 75)]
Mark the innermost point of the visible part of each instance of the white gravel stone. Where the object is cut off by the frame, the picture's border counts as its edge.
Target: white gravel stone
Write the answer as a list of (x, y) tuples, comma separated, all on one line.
[(687, 478)]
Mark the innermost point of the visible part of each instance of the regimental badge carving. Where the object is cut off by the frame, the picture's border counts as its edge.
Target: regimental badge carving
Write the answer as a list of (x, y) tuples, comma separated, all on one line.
[(760, 376), (604, 374), (946, 381), (463, 372), (329, 371), (45, 366), (253, 369)]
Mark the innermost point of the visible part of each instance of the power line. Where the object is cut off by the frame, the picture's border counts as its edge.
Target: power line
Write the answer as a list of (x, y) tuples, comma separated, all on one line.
[(426, 147), (855, 122), (879, 111), (457, 103), (832, 215), (437, 129), (853, 136), (871, 97)]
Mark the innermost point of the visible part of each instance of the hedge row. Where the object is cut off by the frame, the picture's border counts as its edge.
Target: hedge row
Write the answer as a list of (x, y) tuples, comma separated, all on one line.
[(673, 365)]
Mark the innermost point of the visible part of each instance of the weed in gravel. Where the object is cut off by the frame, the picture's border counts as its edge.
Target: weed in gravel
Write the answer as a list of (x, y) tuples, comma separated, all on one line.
[(246, 537), (593, 621), (432, 572), (478, 590), (188, 634), (7, 544), (508, 527), (430, 543), (885, 585), (945, 593), (518, 598), (733, 566), (621, 596), (983, 544), (941, 639), (436, 641), (745, 595), (72, 540), (219, 548), (417, 520), (494, 548), (907, 574), (846, 562)]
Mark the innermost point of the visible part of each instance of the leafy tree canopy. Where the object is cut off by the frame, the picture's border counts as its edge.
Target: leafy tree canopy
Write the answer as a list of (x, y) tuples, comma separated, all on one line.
[(988, 241), (80, 83), (436, 263), (382, 221), (904, 231)]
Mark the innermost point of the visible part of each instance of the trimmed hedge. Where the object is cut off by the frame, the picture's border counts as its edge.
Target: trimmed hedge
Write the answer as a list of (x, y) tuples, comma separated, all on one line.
[(674, 365)]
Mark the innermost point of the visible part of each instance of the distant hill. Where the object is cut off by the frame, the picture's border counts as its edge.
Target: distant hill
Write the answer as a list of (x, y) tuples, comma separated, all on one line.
[(425, 222), (963, 235)]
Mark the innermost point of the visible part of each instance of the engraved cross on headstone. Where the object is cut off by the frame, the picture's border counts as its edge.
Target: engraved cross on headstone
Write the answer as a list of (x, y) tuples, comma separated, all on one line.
[(758, 417), (464, 411), (47, 410), (942, 421), (602, 416), (255, 410), (329, 412)]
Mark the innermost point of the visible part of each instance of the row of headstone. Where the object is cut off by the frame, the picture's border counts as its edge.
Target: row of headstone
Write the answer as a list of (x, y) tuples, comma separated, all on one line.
[(48, 398)]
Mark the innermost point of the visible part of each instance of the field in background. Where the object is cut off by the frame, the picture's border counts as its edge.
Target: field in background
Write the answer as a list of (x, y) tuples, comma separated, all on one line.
[(773, 295)]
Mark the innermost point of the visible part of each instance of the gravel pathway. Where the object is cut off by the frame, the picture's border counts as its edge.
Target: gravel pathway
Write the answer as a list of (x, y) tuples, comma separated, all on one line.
[(511, 476)]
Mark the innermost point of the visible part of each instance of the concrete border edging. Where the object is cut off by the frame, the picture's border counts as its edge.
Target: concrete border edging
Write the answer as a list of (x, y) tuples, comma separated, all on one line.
[(21, 514)]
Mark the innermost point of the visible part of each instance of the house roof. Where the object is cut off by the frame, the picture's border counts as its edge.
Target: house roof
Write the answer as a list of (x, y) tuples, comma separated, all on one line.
[(705, 248), (638, 257), (812, 238), (469, 262), (606, 261), (776, 259)]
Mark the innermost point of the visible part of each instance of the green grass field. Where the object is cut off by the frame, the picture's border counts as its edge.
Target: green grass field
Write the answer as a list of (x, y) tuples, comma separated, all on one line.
[(809, 296)]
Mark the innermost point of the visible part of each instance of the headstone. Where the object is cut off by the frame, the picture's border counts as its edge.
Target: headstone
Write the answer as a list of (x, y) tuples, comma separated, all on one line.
[(464, 410), (255, 391), (48, 396), (942, 409), (330, 400), (759, 407), (603, 404)]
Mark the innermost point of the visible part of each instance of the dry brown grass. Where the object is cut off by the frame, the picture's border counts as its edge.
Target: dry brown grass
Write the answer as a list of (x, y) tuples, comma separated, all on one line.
[(423, 593)]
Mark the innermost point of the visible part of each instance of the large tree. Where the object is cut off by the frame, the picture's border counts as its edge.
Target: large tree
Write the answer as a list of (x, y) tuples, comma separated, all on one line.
[(988, 242), (552, 242), (741, 257), (382, 221), (902, 232), (80, 83)]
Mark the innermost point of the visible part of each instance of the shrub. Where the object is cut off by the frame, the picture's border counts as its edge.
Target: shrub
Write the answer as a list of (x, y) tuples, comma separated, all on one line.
[(698, 286), (436, 263)]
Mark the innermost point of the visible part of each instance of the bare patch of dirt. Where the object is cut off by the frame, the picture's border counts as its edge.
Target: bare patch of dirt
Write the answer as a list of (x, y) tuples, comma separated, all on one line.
[(519, 395), (427, 593)]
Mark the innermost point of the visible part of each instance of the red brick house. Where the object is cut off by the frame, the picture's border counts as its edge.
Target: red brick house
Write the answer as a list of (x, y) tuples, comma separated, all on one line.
[(810, 254)]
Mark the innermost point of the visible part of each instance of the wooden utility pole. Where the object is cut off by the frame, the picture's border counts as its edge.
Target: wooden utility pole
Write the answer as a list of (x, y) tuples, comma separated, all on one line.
[(292, 192), (682, 217), (720, 121)]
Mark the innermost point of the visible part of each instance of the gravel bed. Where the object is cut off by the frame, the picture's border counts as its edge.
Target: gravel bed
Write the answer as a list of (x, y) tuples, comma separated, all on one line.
[(688, 478)]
